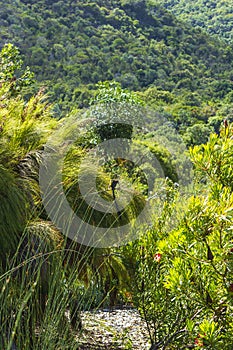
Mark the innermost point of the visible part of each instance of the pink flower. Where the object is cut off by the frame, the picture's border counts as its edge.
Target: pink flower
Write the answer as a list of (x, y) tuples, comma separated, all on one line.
[(198, 342), (157, 257)]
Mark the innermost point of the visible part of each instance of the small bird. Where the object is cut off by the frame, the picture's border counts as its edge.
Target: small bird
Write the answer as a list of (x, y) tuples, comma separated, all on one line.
[(113, 186)]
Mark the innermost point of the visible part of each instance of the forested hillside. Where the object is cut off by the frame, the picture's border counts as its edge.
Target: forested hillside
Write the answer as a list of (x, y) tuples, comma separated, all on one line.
[(72, 45), (214, 16)]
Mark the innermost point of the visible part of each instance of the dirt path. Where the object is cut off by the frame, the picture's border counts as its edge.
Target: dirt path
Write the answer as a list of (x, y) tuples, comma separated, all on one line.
[(120, 329)]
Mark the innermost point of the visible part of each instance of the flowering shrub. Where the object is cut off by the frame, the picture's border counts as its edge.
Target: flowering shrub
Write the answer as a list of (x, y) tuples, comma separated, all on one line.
[(184, 276)]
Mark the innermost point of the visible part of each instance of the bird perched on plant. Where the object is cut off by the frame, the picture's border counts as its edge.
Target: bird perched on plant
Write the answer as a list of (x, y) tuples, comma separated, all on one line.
[(113, 184)]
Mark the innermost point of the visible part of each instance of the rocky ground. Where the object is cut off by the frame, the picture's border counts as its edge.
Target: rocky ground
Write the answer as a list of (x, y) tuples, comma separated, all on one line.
[(120, 329)]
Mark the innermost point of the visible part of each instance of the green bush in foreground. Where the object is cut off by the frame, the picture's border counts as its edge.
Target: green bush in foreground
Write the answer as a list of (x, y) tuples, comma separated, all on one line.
[(183, 278)]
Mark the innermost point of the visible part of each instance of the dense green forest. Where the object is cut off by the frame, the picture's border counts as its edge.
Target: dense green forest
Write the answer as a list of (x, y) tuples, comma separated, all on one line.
[(72, 45), (119, 114), (213, 16)]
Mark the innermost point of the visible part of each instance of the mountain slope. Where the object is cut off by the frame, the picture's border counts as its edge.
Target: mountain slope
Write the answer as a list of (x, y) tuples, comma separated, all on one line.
[(215, 16), (69, 44)]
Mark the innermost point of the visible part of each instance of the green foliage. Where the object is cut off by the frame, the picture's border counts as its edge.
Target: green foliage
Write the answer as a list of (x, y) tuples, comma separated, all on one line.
[(138, 44), (183, 271), (213, 16), (74, 175), (116, 111), (112, 92), (179, 272), (24, 126), (197, 134), (11, 69), (212, 160), (163, 156), (13, 209)]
